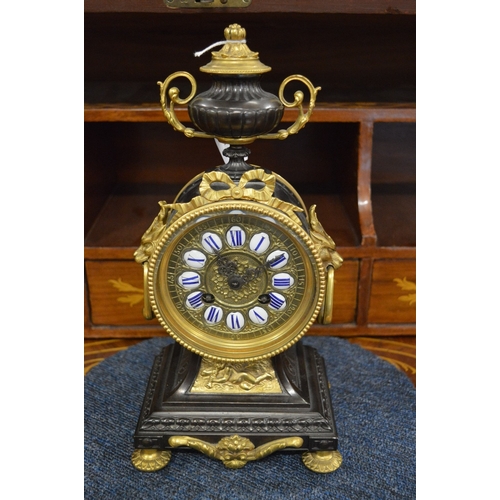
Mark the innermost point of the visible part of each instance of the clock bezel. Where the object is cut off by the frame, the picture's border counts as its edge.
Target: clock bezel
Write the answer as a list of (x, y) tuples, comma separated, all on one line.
[(224, 349)]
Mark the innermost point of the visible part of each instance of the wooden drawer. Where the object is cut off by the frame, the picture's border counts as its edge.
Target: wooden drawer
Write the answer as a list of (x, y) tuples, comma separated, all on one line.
[(116, 296), (393, 293), (116, 292), (346, 292)]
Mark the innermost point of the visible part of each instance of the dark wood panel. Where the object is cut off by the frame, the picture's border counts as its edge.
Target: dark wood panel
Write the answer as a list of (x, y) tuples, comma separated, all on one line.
[(256, 6), (394, 212), (394, 157), (353, 58)]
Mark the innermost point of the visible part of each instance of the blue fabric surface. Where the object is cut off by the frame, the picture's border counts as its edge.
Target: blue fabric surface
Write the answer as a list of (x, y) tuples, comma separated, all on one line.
[(374, 407)]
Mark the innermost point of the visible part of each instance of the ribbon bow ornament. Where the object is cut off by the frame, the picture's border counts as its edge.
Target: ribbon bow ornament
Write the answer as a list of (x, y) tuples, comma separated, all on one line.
[(256, 185), (241, 190)]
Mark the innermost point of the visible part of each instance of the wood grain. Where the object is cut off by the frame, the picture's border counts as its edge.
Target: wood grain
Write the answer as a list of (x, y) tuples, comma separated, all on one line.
[(324, 112), (263, 6)]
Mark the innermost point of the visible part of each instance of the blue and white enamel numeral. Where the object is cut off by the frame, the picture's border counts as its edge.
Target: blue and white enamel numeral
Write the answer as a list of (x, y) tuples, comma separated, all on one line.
[(282, 281), (213, 315), (195, 259), (258, 315), (211, 242), (236, 237), (194, 300), (277, 259), (259, 243), (278, 302), (189, 280), (235, 321)]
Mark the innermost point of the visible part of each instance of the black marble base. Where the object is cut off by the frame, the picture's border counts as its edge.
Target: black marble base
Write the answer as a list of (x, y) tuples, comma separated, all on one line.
[(304, 408)]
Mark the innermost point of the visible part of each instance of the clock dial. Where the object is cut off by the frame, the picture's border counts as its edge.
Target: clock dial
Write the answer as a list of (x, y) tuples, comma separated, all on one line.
[(237, 286)]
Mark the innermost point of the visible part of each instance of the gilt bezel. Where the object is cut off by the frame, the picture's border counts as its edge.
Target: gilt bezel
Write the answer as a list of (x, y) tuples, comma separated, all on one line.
[(224, 349)]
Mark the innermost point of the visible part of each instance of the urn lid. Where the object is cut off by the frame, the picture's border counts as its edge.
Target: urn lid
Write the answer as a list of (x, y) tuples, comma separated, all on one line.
[(235, 58)]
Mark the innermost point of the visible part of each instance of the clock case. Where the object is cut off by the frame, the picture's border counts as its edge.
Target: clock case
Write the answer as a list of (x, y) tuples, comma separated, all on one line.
[(303, 410), (237, 428)]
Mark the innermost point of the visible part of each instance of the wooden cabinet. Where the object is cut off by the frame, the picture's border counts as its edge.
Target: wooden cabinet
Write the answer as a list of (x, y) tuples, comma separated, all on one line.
[(355, 160)]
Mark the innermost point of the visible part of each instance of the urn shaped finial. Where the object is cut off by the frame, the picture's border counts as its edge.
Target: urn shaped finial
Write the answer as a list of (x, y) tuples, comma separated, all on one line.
[(235, 57)]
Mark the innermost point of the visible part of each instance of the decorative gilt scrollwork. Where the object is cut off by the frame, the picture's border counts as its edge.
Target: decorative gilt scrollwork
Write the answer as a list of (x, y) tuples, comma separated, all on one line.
[(303, 118), (235, 451), (324, 243), (173, 94), (153, 234), (331, 260)]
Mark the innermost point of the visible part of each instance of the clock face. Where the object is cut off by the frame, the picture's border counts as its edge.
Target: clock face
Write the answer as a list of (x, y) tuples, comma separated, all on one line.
[(236, 281)]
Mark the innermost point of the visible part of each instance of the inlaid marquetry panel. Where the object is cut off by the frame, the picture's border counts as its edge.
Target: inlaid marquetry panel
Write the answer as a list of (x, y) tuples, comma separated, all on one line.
[(116, 293), (394, 292)]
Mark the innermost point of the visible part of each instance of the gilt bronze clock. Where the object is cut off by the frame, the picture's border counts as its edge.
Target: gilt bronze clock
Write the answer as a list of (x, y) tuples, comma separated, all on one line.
[(236, 270)]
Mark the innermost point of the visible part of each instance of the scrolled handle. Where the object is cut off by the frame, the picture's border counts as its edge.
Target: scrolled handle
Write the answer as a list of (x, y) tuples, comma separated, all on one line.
[(174, 95), (326, 313), (303, 117)]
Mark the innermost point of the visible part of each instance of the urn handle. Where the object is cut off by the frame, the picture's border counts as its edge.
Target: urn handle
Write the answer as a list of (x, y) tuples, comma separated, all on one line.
[(174, 95), (303, 118)]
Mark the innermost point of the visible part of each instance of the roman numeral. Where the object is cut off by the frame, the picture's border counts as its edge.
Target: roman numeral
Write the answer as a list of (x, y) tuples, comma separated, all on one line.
[(263, 238), (195, 300), (278, 260), (277, 301), (235, 322), (212, 314), (236, 237), (210, 241), (281, 282), (190, 280)]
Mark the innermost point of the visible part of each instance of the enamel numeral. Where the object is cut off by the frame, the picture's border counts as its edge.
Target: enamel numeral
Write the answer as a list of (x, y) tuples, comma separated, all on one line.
[(258, 315), (235, 237), (213, 315), (189, 280), (277, 259), (195, 259), (194, 300), (235, 321), (282, 281), (259, 243), (211, 242), (278, 302)]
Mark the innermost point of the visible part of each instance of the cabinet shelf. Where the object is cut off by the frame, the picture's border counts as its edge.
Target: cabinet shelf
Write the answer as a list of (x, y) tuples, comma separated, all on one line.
[(323, 112)]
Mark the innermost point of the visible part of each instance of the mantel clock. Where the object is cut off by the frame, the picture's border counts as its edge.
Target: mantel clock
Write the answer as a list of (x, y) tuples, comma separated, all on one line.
[(236, 270)]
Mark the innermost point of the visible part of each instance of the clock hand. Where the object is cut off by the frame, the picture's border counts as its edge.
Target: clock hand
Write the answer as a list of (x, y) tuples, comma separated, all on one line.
[(226, 267), (253, 273)]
